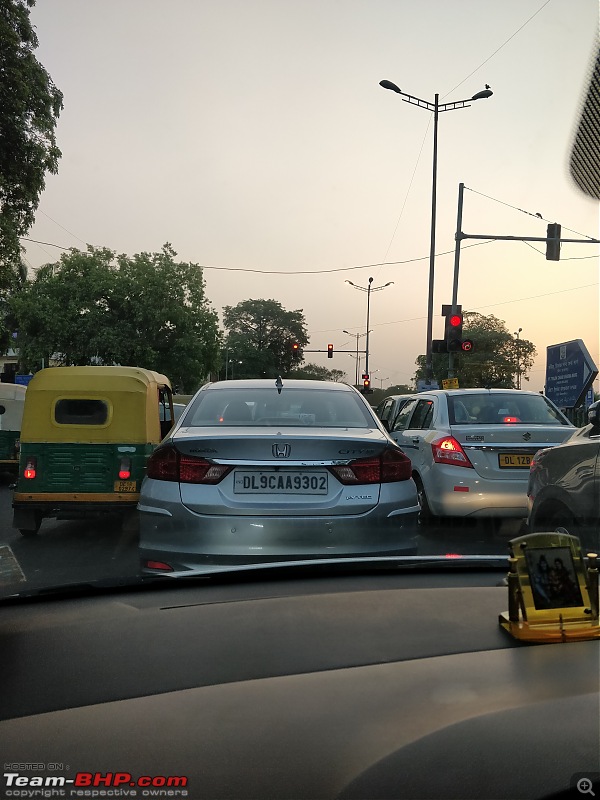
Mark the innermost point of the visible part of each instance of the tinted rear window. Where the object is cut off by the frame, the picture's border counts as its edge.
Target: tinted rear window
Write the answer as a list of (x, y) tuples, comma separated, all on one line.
[(81, 412), (265, 407), (509, 409)]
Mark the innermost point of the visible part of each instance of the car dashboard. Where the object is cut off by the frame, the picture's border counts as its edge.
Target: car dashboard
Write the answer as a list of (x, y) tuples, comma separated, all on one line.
[(375, 685)]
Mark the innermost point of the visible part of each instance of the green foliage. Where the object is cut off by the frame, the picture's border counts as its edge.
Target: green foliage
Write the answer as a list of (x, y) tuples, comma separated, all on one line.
[(30, 105), (493, 360), (260, 336), (315, 372), (146, 310)]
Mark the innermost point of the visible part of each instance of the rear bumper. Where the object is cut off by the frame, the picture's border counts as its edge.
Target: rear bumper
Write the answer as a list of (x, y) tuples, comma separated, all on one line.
[(170, 532), (461, 492)]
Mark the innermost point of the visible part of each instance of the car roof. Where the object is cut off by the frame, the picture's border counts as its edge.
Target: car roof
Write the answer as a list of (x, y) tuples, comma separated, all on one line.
[(269, 383), (459, 392)]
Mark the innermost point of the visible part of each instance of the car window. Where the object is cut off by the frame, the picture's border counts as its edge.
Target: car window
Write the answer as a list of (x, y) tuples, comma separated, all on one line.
[(423, 414), (292, 407), (404, 416), (384, 409), (514, 409)]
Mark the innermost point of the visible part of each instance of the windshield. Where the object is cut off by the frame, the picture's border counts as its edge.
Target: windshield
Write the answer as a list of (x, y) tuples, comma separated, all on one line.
[(293, 407), (515, 409), (225, 209)]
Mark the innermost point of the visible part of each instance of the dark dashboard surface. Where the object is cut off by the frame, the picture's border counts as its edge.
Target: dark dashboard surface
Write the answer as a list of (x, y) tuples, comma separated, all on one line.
[(362, 686)]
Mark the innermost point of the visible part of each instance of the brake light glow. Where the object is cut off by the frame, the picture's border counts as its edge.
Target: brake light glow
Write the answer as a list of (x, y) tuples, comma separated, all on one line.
[(168, 464), (30, 470), (511, 419), (125, 469), (162, 565), (448, 450), (391, 466)]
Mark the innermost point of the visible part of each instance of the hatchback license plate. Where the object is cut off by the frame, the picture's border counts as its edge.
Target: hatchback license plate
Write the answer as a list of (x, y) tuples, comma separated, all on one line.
[(125, 486), (288, 482), (514, 461)]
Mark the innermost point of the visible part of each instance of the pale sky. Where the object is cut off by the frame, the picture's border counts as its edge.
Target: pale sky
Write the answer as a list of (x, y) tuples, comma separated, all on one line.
[(253, 135)]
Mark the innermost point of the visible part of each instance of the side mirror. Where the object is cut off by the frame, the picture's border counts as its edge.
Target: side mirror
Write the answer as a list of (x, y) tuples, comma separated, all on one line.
[(594, 414)]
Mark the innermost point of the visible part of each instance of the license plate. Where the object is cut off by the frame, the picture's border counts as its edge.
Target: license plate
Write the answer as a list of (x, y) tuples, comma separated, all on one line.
[(288, 482), (125, 486), (514, 461)]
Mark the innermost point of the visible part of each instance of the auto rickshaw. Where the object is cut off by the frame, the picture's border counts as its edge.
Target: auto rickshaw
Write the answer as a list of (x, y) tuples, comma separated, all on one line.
[(12, 400), (86, 435)]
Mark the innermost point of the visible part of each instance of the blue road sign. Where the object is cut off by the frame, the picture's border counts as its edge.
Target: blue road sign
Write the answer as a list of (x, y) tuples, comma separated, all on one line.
[(570, 372), (23, 379)]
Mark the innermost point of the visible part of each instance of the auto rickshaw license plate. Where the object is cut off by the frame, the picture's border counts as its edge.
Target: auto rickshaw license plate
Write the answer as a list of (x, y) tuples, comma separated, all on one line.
[(515, 460), (125, 486)]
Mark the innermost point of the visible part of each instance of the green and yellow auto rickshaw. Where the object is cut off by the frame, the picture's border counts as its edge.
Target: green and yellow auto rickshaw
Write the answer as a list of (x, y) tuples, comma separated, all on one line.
[(86, 435), (12, 401)]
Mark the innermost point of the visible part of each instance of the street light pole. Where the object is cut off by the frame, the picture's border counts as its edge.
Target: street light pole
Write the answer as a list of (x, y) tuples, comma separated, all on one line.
[(436, 108), (358, 336), (518, 358), (368, 289)]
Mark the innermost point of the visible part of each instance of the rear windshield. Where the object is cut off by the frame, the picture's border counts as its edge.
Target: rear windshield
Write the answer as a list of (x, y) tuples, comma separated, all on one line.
[(265, 407), (81, 412), (510, 409)]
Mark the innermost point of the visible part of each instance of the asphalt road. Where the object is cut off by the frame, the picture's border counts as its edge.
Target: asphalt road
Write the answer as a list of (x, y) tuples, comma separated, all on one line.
[(76, 551)]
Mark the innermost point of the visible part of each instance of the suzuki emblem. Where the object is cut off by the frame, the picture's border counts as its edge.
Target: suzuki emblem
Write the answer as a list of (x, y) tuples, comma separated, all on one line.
[(527, 436), (282, 450)]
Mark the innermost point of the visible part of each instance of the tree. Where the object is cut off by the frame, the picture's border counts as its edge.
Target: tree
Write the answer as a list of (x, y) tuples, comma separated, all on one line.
[(93, 307), (30, 105), (315, 372), (496, 359), (260, 334)]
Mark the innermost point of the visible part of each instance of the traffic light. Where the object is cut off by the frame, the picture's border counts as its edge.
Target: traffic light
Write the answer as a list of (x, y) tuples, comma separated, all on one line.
[(329, 351), (453, 332), (439, 346), (367, 385), (553, 242), (295, 347)]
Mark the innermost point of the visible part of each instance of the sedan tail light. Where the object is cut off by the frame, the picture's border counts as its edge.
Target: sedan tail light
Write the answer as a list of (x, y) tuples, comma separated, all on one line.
[(448, 450), (168, 464), (392, 465)]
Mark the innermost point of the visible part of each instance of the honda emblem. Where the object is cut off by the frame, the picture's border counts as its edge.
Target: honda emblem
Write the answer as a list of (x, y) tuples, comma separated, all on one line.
[(282, 450)]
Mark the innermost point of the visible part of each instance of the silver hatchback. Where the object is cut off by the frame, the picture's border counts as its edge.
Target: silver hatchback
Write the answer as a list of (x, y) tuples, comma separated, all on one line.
[(471, 448), (259, 470)]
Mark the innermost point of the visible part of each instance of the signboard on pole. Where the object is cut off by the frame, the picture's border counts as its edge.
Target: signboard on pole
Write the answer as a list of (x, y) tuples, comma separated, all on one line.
[(570, 372)]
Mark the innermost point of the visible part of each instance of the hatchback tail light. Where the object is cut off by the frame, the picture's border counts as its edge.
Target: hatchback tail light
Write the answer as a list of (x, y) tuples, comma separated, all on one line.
[(30, 470), (448, 450), (391, 466), (168, 464)]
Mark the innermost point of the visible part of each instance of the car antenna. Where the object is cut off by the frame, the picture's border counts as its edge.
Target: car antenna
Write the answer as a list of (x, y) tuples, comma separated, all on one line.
[(279, 384)]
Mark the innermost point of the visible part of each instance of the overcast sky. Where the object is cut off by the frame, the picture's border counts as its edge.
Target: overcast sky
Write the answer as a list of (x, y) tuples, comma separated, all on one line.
[(253, 135)]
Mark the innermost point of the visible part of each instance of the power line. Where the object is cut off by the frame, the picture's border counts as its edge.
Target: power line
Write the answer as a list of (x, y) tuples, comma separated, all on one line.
[(537, 215), (74, 235), (475, 308), (497, 50)]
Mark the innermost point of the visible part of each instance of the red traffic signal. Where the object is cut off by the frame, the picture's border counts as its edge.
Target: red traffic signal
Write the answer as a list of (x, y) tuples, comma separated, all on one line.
[(367, 383), (453, 332), (295, 346), (329, 351)]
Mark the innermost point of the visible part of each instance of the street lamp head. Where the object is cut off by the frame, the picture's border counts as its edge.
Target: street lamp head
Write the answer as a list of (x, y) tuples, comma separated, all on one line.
[(487, 92), (390, 85), (351, 284)]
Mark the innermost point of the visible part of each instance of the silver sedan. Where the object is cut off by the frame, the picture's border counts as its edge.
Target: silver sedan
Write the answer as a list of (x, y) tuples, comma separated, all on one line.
[(261, 470)]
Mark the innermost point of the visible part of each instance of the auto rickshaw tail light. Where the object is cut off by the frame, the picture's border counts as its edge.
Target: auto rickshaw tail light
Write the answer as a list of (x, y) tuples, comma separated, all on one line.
[(30, 470), (125, 469)]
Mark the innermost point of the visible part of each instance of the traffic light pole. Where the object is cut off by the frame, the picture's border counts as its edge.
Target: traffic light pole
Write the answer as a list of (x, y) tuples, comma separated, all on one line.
[(459, 236)]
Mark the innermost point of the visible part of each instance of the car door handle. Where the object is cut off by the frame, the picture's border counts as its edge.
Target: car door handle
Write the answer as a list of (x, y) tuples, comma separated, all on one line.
[(416, 440)]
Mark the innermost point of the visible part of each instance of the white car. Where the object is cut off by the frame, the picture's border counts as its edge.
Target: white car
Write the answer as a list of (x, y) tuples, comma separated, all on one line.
[(471, 448)]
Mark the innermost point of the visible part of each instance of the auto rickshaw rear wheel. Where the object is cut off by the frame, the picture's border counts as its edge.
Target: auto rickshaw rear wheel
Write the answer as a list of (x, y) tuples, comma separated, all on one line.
[(33, 530)]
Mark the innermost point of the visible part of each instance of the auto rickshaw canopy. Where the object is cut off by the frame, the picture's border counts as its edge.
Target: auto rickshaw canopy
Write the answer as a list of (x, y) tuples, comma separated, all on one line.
[(12, 401), (128, 396)]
